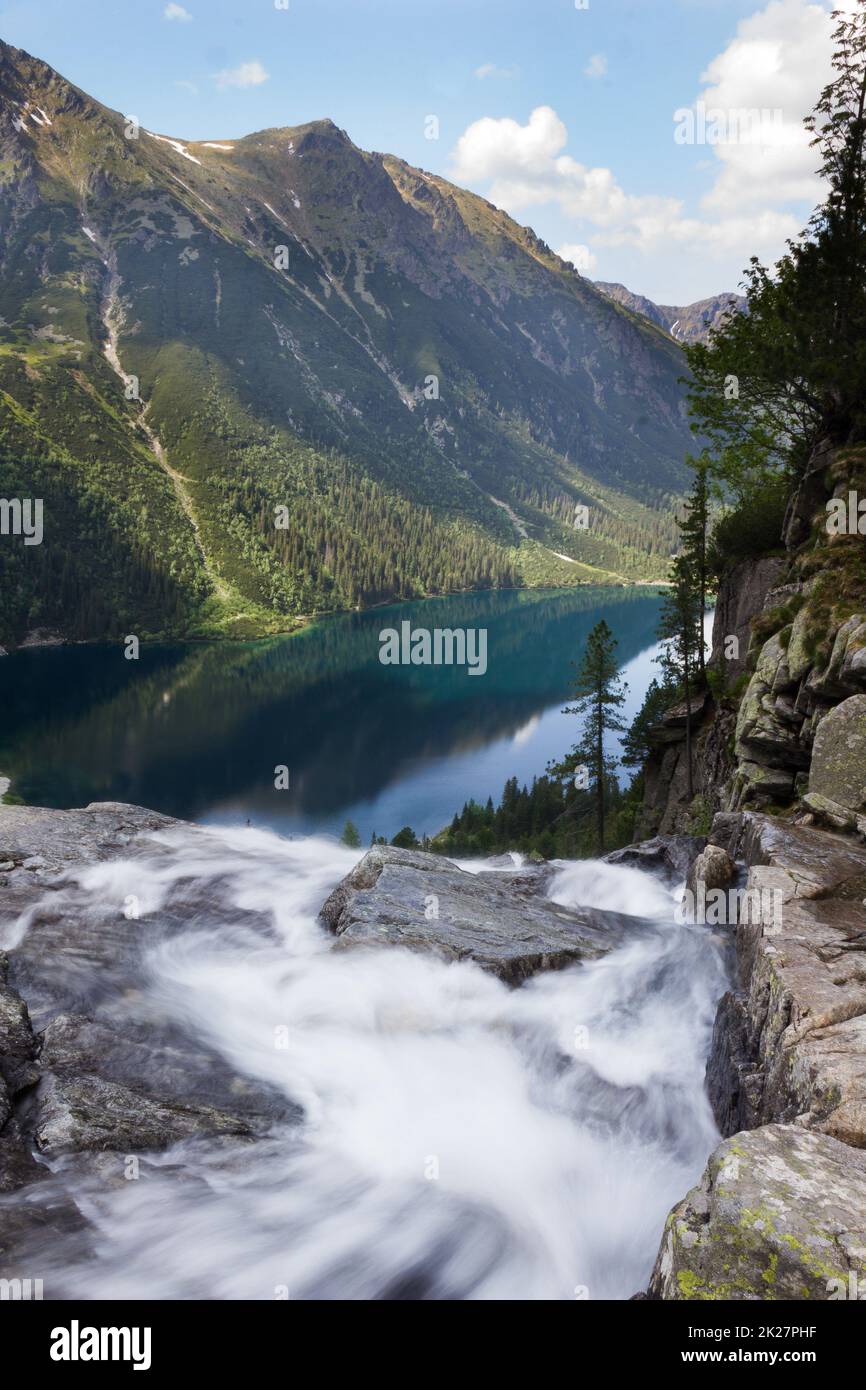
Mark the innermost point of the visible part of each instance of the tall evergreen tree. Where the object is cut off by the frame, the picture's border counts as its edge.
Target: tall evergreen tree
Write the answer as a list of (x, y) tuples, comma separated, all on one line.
[(693, 528), (637, 744), (681, 629), (598, 695), (350, 836)]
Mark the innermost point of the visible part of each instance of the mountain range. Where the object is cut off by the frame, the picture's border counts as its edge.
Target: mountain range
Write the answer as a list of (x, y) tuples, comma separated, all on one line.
[(254, 379), (690, 323)]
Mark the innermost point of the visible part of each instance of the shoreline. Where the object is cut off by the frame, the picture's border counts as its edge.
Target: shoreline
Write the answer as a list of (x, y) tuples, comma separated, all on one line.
[(303, 622)]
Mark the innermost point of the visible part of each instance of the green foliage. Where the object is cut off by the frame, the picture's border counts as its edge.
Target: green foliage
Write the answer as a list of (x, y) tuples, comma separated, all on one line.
[(598, 694), (549, 819), (751, 528), (791, 370), (681, 629), (636, 744), (681, 626), (350, 836), (406, 838), (699, 819), (693, 527)]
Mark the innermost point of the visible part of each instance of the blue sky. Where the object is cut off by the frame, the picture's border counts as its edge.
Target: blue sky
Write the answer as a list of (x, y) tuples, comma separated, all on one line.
[(596, 171)]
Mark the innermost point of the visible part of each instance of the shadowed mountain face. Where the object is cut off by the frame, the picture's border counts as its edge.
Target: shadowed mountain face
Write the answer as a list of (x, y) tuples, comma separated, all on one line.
[(691, 323), (253, 379)]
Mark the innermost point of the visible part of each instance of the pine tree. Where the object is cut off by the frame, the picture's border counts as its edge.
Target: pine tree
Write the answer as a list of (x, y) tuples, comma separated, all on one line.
[(598, 694), (350, 836), (637, 745), (405, 838), (693, 533), (681, 630)]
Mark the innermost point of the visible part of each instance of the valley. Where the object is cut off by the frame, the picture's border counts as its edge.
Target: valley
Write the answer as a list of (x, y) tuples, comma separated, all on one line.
[(420, 386)]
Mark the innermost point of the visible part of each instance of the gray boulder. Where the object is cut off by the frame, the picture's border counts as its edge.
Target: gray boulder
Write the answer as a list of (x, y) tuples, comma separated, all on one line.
[(670, 855), (714, 868), (397, 897), (60, 839), (18, 1067), (778, 1214), (837, 777), (84, 1113), (168, 1069)]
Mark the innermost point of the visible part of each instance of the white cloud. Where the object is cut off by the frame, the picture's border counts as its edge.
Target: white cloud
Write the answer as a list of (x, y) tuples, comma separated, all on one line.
[(779, 59), (580, 256), (250, 74), (526, 167), (493, 70), (186, 86), (597, 66), (177, 12)]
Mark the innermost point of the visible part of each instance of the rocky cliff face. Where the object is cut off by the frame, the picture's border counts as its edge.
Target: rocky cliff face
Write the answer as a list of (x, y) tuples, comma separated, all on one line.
[(749, 587), (792, 627), (781, 766), (780, 1212)]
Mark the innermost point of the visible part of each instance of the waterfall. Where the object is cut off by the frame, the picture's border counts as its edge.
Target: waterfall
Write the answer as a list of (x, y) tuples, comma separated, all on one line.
[(457, 1139)]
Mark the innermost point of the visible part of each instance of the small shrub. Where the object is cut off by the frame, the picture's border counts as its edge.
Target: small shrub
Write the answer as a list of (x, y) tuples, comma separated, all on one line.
[(752, 528)]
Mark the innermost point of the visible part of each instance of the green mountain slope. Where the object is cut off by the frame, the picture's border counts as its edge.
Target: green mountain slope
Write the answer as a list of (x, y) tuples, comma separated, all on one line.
[(260, 378)]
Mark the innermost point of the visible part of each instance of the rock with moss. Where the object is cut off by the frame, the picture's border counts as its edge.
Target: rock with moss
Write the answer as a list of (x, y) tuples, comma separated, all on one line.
[(845, 673), (755, 783), (837, 777), (779, 1214), (800, 655), (765, 732)]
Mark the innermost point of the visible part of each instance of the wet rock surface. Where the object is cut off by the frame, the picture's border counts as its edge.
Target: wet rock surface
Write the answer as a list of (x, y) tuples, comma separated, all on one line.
[(792, 1038), (786, 1077), (73, 1114), (397, 897), (94, 1070), (670, 855), (86, 1065), (58, 839)]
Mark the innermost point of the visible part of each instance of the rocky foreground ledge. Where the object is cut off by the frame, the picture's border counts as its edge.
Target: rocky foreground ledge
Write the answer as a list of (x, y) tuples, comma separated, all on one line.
[(780, 1212), (88, 1075)]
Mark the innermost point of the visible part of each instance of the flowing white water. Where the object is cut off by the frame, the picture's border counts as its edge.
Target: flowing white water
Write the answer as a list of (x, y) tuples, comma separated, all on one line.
[(459, 1139)]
